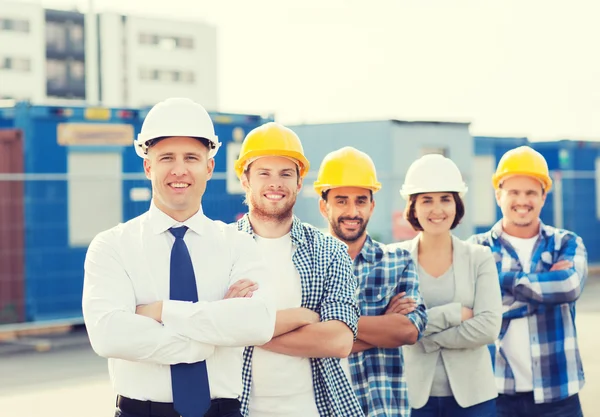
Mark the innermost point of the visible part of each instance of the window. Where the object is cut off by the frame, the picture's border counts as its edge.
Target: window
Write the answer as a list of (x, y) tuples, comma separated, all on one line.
[(167, 76), (145, 38), (76, 38), (16, 64), (185, 43), (77, 70), (56, 36), (56, 74), (166, 42), (188, 77), (14, 25)]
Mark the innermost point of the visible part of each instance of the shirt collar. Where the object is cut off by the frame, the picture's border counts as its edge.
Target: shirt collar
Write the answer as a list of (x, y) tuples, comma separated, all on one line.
[(498, 231), (161, 222), (297, 232)]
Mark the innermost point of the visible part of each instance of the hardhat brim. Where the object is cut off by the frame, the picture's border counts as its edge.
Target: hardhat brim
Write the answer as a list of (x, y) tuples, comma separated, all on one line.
[(406, 193), (546, 181), (303, 163), (320, 188)]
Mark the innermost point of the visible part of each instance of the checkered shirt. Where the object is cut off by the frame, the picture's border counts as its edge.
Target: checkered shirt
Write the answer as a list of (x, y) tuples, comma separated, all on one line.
[(378, 374), (547, 299), (328, 287)]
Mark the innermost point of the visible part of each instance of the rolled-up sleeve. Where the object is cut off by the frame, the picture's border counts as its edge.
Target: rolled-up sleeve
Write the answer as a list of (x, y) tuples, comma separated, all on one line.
[(410, 281), (339, 300)]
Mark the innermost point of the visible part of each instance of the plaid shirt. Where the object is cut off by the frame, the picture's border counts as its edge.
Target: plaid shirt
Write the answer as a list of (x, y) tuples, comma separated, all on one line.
[(547, 299), (328, 287), (377, 374)]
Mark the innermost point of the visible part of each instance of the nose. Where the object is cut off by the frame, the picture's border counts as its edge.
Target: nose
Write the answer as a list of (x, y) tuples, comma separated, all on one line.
[(179, 168), (275, 182), (352, 210), (521, 199), (438, 207)]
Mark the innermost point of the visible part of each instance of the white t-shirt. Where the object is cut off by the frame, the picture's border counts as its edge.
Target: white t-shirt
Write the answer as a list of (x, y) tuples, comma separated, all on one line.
[(516, 342), (281, 385)]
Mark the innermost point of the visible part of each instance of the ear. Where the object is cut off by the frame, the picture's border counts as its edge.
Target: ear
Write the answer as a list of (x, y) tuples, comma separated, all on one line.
[(245, 182), (498, 194), (323, 208), (210, 167), (147, 168), (299, 185)]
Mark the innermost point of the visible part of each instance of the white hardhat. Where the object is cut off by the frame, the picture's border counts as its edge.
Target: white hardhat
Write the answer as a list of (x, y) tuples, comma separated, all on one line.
[(433, 173), (176, 117)]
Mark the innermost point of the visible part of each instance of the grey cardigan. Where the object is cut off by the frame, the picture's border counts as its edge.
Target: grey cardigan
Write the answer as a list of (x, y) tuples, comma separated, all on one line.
[(463, 345)]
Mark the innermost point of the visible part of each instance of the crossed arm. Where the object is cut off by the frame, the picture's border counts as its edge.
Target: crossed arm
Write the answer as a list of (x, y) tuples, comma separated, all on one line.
[(403, 321), (453, 326), (168, 332), (330, 333)]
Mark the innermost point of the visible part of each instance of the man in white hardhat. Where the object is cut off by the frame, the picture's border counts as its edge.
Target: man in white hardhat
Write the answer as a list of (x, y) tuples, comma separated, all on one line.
[(172, 311), (392, 311)]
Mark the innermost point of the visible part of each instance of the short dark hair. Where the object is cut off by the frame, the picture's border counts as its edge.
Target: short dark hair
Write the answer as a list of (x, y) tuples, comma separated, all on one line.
[(325, 193), (209, 145), (409, 213)]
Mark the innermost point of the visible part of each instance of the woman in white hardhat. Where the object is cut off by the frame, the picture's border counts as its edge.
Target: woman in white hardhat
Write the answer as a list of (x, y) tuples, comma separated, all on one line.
[(449, 370)]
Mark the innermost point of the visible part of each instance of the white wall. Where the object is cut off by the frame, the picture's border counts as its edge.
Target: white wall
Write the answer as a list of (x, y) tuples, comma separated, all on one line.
[(124, 57), (112, 63), (30, 45)]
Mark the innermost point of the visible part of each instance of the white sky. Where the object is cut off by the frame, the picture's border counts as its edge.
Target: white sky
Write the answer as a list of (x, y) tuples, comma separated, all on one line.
[(519, 68)]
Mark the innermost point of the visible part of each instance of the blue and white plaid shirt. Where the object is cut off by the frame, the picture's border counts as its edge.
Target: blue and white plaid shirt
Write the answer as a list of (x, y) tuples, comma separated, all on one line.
[(378, 374), (547, 299), (328, 287)]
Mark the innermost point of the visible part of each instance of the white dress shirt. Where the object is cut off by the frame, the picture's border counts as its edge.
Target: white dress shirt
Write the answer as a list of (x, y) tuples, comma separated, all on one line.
[(129, 265)]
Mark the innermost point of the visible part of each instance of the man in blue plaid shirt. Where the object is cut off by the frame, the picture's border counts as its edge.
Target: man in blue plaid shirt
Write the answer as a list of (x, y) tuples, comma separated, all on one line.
[(392, 311), (297, 373), (542, 273)]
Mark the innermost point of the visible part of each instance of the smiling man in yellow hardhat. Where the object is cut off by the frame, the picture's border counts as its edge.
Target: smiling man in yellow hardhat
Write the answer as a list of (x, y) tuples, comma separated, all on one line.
[(298, 373), (392, 311), (542, 273)]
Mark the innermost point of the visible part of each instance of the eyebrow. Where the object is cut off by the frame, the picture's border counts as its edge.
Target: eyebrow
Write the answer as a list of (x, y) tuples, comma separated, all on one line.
[(344, 197), (185, 154), (280, 171)]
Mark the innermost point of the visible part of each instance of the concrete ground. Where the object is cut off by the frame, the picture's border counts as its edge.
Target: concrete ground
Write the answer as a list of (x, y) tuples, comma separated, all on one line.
[(69, 380)]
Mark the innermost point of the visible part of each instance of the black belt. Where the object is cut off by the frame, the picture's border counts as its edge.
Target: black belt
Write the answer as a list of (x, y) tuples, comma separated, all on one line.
[(154, 409)]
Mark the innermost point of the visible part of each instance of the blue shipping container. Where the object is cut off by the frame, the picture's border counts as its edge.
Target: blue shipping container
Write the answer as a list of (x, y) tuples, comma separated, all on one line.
[(82, 176)]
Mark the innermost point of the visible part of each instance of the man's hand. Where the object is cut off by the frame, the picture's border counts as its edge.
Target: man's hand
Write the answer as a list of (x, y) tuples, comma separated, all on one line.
[(562, 265), (153, 310), (400, 305), (466, 313), (244, 288), (309, 316)]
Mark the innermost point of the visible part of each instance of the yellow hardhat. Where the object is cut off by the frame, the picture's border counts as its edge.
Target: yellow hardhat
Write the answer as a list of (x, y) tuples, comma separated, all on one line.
[(523, 161), (347, 167), (271, 139)]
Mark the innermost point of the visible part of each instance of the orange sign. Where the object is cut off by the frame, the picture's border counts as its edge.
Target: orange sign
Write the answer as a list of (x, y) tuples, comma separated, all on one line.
[(96, 134)]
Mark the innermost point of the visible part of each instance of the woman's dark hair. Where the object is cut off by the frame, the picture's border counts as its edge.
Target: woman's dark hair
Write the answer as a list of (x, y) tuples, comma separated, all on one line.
[(409, 213)]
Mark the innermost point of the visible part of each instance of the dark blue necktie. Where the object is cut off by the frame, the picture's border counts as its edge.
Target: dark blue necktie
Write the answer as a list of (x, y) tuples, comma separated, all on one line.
[(191, 392)]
